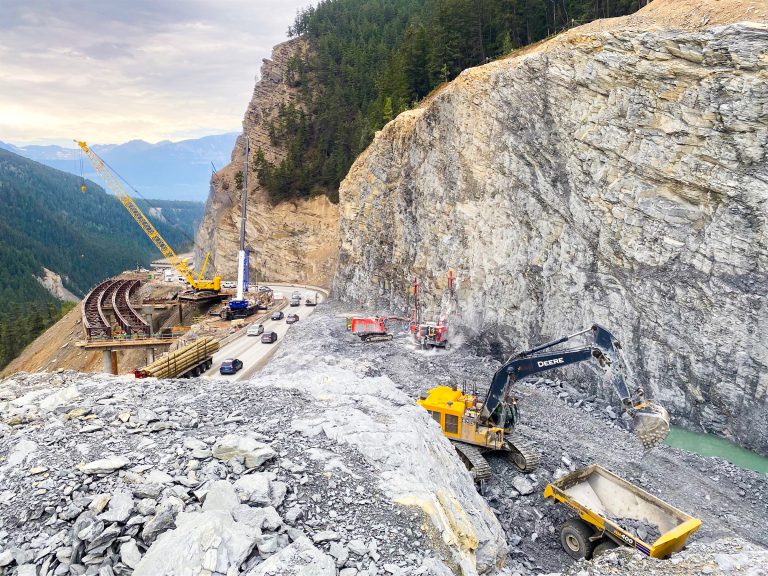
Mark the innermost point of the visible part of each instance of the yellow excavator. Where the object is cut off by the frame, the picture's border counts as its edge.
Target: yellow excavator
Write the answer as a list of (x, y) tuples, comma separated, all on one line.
[(179, 264), (476, 428)]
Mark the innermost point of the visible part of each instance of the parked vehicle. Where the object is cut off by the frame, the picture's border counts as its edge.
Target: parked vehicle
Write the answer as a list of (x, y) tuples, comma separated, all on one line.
[(230, 366), (269, 337), (291, 318), (278, 315), (229, 284), (255, 330)]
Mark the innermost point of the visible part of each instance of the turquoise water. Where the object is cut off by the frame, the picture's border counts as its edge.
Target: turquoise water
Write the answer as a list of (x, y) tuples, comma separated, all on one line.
[(711, 445)]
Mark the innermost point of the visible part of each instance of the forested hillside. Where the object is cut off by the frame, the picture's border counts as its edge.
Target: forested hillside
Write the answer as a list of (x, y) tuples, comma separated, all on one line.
[(372, 59), (47, 221)]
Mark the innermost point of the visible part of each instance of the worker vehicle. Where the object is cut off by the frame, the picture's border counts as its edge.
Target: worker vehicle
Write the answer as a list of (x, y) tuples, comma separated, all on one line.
[(187, 362), (476, 428), (373, 329), (613, 512), (255, 330), (295, 300), (291, 318), (230, 366), (236, 309), (178, 264), (277, 315), (427, 334), (430, 335), (269, 337), (311, 300)]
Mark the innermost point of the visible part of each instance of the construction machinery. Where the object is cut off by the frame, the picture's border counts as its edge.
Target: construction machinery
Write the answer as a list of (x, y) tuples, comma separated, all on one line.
[(613, 512), (179, 264), (373, 329), (431, 334), (428, 334), (476, 427), (187, 362)]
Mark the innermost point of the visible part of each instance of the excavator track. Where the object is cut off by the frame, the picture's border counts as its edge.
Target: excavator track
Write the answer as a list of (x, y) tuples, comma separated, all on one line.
[(376, 337), (474, 461), (523, 454)]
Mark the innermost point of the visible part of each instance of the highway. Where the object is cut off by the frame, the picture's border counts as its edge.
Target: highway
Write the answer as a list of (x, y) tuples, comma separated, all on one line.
[(249, 349)]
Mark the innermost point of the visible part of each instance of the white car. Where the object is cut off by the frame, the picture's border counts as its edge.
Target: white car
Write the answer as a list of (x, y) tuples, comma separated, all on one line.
[(229, 284), (255, 330)]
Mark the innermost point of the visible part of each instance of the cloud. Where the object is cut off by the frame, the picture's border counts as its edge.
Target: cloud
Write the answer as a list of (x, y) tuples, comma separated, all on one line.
[(113, 71)]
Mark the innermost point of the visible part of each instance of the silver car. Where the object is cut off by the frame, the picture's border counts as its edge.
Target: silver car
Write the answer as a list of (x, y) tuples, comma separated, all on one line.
[(255, 330)]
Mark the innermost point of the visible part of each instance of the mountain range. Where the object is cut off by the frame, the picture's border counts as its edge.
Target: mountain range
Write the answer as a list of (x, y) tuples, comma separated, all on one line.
[(165, 170)]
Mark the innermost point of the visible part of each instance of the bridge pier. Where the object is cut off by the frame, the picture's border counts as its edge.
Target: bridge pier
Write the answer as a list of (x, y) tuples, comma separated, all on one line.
[(109, 361), (150, 355)]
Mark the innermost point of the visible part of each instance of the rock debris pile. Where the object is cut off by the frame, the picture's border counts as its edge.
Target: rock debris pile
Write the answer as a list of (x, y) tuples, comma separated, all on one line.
[(331, 471), (326, 472), (646, 531), (572, 426), (724, 557)]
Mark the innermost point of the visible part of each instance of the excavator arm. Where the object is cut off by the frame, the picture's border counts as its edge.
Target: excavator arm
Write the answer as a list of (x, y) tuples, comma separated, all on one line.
[(651, 421)]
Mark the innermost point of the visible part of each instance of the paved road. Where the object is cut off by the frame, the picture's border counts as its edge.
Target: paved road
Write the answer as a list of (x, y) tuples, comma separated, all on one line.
[(250, 350)]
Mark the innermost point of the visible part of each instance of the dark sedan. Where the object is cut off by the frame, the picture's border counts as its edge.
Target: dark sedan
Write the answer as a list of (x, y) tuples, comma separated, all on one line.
[(291, 318), (230, 366), (269, 337), (277, 315)]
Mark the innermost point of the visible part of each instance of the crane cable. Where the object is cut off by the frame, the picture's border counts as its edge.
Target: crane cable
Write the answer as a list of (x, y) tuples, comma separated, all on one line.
[(148, 203)]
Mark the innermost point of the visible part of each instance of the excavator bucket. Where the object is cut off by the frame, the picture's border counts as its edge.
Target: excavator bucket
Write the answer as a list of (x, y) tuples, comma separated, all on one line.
[(651, 424)]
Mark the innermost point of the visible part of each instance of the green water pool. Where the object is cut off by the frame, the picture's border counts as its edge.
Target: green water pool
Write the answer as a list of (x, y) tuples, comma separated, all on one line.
[(711, 445)]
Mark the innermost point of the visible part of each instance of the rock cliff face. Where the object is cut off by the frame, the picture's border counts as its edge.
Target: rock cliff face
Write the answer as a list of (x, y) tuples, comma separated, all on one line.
[(615, 174), (294, 241)]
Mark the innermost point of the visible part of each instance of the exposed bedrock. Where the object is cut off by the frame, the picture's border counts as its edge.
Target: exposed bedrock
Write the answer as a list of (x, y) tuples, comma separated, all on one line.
[(616, 174)]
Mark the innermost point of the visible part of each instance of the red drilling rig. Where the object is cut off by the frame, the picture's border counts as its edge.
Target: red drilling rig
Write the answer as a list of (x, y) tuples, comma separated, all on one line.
[(429, 333)]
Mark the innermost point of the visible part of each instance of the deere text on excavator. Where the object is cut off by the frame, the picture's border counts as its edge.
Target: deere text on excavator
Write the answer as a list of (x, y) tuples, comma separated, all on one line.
[(476, 428)]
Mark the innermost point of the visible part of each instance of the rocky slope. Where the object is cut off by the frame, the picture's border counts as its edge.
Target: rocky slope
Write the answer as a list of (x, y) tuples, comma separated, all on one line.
[(322, 465), (293, 241), (614, 174), (317, 468)]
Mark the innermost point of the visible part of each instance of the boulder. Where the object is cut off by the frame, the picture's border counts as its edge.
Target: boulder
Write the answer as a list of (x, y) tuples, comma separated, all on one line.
[(210, 539), (104, 465), (298, 559), (254, 489), (232, 446)]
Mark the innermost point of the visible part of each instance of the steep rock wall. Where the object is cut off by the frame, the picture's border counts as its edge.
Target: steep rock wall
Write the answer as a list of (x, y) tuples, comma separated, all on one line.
[(616, 174), (294, 241)]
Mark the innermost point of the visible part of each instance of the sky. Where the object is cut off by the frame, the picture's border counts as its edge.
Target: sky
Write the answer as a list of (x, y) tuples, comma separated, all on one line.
[(109, 71)]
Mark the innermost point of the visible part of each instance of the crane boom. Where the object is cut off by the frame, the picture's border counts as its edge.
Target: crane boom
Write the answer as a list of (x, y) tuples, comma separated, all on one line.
[(117, 189)]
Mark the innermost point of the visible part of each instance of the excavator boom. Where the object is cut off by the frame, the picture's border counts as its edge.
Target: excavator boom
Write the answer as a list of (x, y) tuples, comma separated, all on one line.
[(117, 189), (650, 419)]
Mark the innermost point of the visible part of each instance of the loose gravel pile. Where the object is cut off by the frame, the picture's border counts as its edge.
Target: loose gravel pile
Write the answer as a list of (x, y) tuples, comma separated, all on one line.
[(320, 461)]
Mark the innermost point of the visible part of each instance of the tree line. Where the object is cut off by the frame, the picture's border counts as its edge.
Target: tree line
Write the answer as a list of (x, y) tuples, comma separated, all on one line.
[(372, 59)]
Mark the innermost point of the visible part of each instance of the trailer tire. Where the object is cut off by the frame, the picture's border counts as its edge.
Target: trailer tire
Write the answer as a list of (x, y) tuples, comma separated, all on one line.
[(605, 546), (575, 539)]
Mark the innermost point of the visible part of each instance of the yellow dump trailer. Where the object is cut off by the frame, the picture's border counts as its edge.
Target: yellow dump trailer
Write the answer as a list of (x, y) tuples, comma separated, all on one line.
[(615, 512)]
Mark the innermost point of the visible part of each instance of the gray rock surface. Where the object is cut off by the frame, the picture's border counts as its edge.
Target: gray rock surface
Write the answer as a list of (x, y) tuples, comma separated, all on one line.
[(727, 557), (299, 559), (614, 174)]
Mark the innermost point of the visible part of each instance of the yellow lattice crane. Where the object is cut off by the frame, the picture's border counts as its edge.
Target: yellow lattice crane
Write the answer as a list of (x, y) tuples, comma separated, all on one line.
[(179, 264)]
